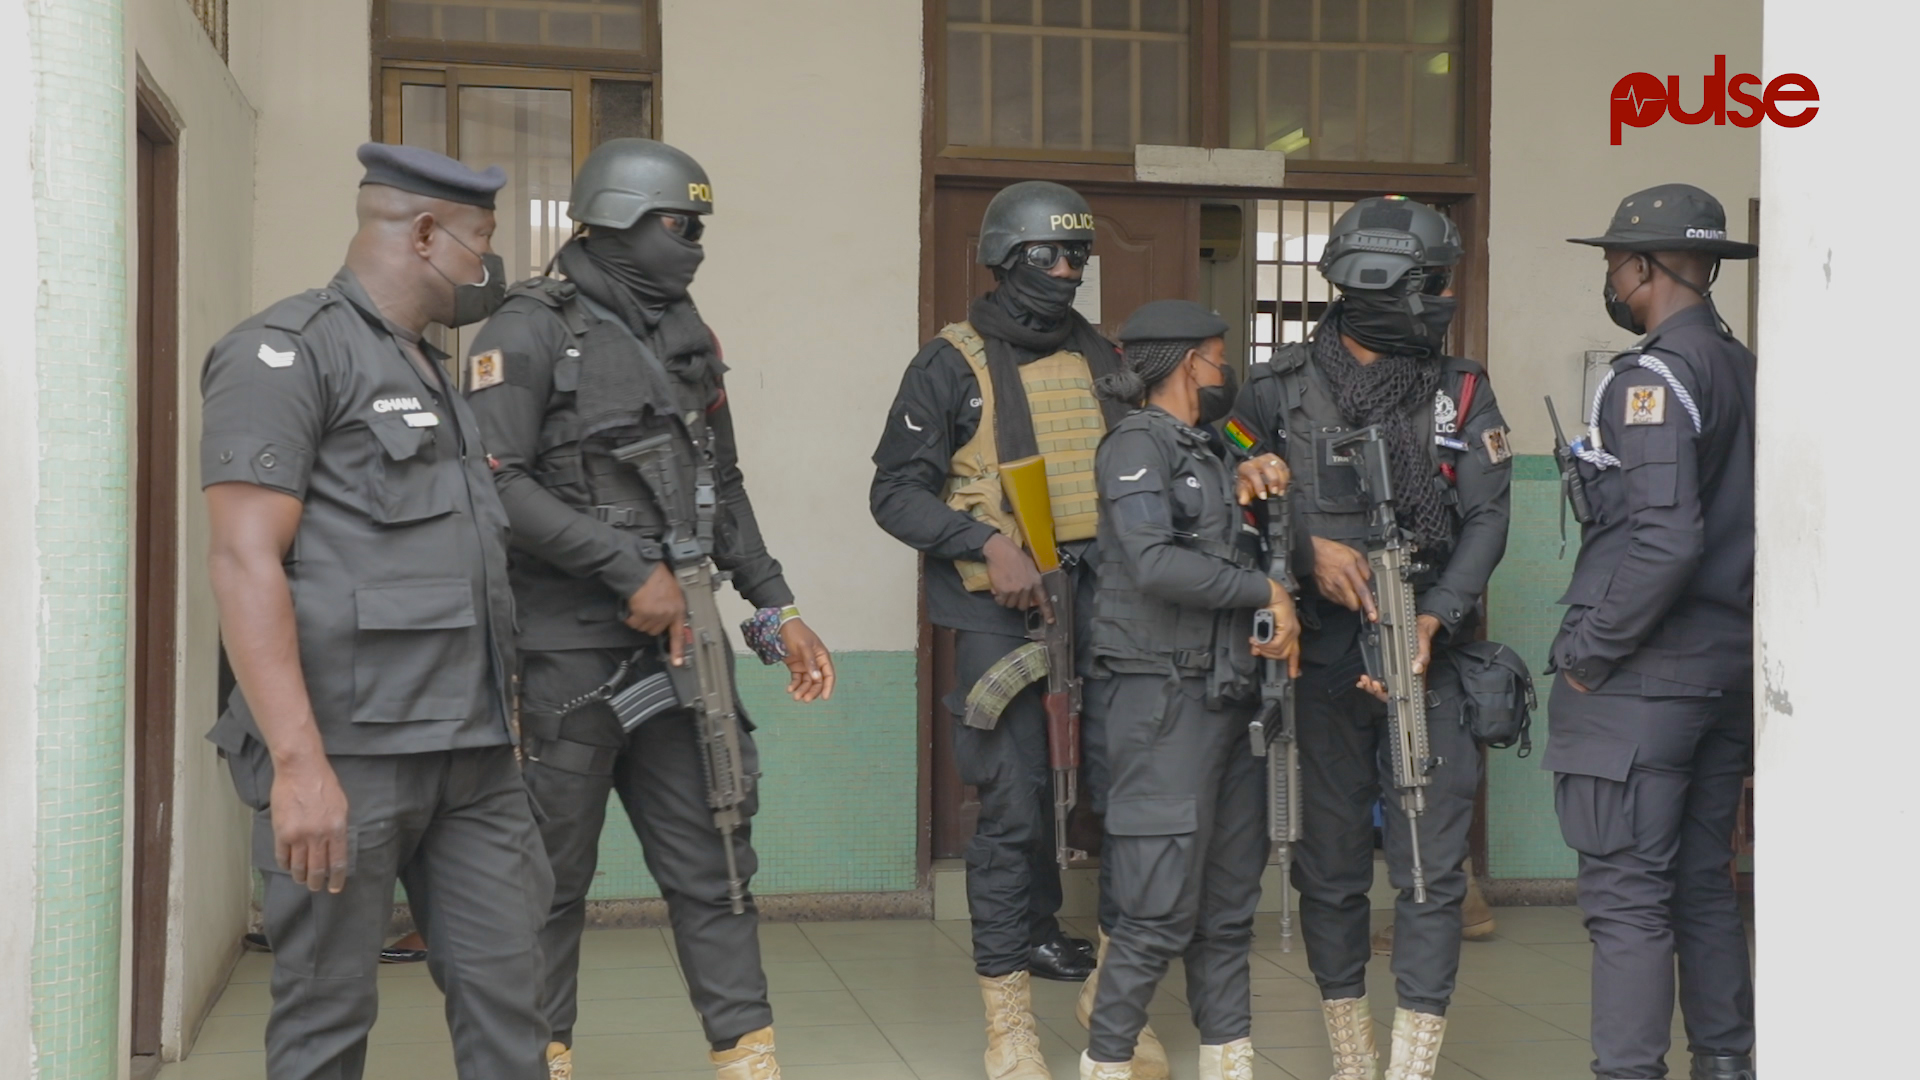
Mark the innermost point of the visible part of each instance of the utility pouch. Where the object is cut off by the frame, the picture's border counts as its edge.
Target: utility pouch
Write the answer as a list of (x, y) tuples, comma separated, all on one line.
[(1497, 699)]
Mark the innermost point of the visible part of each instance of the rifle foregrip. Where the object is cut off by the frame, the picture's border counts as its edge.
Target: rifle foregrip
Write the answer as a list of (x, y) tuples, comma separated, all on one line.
[(1063, 731)]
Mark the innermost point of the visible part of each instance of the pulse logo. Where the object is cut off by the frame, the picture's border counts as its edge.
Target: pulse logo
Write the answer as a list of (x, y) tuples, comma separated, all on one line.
[(1640, 100)]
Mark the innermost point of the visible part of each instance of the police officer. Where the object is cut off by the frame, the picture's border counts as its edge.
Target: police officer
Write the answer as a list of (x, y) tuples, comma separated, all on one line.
[(1179, 580), (1652, 712), (572, 367), (359, 559), (1377, 357), (967, 403)]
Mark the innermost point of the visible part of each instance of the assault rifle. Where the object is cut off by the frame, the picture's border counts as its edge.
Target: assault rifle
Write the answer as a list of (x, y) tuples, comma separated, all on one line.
[(1049, 654), (1390, 645), (716, 711), (1272, 730)]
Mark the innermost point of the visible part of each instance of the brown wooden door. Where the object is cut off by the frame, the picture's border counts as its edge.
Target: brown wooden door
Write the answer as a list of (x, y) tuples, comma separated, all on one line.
[(156, 547), (1148, 247)]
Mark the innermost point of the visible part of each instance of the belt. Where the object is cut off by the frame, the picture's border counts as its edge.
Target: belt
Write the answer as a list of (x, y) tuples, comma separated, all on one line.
[(568, 756)]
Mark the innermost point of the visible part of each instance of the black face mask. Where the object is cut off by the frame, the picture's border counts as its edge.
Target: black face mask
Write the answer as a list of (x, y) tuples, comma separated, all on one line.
[(1217, 401), (1037, 296), (1397, 325), (477, 301), (1617, 307), (652, 261)]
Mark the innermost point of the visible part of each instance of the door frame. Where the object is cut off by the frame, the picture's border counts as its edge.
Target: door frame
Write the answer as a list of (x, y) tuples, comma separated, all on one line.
[(1465, 188), (156, 575)]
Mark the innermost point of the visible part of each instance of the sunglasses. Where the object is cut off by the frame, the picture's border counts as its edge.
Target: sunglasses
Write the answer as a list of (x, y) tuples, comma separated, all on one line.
[(1047, 256), (1430, 280), (690, 226)]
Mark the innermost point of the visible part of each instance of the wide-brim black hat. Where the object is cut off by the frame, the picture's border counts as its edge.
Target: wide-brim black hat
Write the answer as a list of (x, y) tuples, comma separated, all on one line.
[(1671, 217)]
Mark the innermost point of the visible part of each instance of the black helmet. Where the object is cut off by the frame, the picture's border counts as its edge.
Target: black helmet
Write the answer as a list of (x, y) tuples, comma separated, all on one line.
[(1030, 211), (1378, 240), (625, 179)]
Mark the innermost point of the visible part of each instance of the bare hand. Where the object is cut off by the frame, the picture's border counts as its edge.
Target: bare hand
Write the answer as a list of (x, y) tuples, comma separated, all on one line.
[(1013, 577), (660, 608), (1285, 644), (1428, 626), (808, 661), (1341, 574), (1372, 686), (309, 814), (1261, 477)]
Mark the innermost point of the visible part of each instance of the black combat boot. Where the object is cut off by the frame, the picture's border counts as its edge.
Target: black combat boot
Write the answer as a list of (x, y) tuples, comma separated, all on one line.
[(1733, 1067)]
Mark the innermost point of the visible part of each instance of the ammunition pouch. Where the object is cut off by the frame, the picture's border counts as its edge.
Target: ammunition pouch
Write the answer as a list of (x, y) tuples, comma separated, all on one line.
[(1497, 698)]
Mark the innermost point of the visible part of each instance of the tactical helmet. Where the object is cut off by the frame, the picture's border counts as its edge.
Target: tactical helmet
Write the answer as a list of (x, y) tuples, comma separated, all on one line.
[(1031, 211), (625, 179), (1378, 240)]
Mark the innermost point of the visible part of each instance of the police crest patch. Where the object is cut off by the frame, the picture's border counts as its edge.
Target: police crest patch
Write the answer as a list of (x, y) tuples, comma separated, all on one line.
[(1646, 405), (1498, 450), (487, 369), (1446, 415)]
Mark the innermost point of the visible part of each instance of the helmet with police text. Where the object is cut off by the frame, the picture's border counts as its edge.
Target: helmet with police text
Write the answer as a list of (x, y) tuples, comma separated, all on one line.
[(1033, 211), (626, 179), (1378, 241)]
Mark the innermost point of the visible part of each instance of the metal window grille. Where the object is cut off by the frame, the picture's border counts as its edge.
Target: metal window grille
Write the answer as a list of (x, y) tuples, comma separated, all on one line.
[(213, 17), (1347, 80), (1072, 75), (621, 25)]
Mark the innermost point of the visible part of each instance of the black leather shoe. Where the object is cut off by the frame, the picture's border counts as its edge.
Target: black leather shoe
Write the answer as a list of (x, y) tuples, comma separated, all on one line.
[(391, 955), (256, 943), (1060, 961), (1735, 1067), (1083, 946)]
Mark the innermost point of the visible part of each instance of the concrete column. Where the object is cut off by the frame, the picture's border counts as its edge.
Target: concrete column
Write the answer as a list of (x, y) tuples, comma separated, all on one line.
[(1836, 590), (63, 537)]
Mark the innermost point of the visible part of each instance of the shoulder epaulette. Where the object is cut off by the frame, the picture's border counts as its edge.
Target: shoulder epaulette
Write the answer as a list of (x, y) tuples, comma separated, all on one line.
[(1288, 358), (295, 312), (552, 292)]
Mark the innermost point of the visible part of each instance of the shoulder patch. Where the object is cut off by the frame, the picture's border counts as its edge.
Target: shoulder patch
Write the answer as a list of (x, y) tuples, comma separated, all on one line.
[(274, 358), (1494, 439), (1646, 406), (485, 369), (295, 312)]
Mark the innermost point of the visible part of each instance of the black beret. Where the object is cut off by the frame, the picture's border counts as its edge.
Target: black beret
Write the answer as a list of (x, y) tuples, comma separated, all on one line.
[(423, 172), (1172, 320)]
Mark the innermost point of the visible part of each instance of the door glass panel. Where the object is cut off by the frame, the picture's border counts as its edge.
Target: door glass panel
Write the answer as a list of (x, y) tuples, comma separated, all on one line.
[(423, 117), (617, 25)]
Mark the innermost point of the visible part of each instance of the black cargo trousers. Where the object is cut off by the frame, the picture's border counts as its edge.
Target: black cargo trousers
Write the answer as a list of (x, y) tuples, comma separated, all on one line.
[(657, 773), (1013, 876)]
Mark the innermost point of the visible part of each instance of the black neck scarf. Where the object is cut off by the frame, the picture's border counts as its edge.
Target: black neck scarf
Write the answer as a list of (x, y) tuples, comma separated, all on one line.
[(1390, 392), (1004, 326)]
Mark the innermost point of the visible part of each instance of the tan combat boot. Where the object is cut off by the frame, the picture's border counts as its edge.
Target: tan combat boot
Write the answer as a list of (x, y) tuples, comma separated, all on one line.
[(1104, 1070), (1013, 1043), (1231, 1061), (1350, 1033), (750, 1059), (1149, 1056), (1476, 917), (1416, 1045)]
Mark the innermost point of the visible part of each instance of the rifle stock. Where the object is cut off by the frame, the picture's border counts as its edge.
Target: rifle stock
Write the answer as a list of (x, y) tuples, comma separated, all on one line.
[(1025, 484)]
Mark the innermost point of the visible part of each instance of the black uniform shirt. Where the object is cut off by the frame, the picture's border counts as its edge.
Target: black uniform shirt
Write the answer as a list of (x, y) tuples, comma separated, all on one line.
[(399, 567), (935, 413), (1481, 481), (572, 572), (1664, 583)]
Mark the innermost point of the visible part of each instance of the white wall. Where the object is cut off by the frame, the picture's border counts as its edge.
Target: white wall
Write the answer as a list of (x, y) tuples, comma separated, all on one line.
[(306, 69), (807, 119), (210, 884), (1555, 175), (1836, 738), (19, 558)]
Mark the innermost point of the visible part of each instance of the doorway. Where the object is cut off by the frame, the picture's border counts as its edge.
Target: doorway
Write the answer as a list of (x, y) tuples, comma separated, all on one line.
[(1148, 249), (156, 552)]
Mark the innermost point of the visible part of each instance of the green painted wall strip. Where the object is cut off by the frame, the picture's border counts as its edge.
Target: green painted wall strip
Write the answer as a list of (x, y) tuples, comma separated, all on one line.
[(80, 524)]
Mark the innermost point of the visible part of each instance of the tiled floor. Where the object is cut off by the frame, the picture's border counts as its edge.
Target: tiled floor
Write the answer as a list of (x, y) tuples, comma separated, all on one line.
[(897, 1001)]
